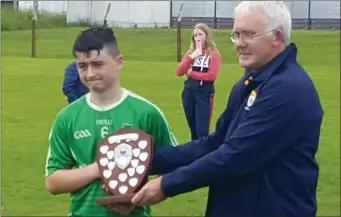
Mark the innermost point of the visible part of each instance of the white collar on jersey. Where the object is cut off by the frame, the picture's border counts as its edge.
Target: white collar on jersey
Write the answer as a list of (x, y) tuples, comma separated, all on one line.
[(109, 107)]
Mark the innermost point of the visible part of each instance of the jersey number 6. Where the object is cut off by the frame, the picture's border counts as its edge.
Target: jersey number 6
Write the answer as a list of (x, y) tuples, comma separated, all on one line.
[(104, 131)]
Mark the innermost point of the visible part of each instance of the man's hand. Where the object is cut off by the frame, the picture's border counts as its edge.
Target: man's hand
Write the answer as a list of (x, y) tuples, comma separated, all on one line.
[(123, 209), (150, 194)]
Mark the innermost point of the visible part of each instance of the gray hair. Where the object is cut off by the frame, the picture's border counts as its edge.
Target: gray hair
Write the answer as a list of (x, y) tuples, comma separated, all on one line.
[(277, 13)]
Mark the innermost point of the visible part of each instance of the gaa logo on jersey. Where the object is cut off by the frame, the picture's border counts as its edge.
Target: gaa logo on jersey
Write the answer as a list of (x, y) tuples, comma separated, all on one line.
[(81, 134)]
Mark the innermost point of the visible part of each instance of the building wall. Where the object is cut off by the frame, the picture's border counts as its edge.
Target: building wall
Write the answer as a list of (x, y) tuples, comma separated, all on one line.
[(50, 6), (122, 13), (79, 11)]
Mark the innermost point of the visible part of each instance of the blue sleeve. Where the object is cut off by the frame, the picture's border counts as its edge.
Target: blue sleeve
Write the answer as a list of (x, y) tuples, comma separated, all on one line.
[(71, 78), (169, 158), (257, 139)]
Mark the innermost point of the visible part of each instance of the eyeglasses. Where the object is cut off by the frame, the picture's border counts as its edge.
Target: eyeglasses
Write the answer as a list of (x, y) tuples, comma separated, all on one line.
[(245, 37)]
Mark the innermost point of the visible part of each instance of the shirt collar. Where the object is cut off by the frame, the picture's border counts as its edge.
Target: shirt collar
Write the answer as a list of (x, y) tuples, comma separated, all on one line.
[(289, 54)]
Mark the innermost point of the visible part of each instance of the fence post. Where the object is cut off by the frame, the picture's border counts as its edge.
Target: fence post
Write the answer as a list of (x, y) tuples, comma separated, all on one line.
[(33, 38), (309, 15), (178, 33), (105, 20), (33, 30), (215, 14), (171, 15)]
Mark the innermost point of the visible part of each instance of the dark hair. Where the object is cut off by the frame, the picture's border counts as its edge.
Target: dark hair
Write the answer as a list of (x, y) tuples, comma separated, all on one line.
[(95, 38)]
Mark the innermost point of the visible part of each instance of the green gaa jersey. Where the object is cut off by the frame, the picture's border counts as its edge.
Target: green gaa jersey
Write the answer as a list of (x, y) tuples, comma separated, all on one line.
[(76, 131)]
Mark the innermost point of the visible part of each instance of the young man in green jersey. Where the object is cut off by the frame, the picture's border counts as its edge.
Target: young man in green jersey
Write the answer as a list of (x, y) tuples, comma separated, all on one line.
[(71, 161)]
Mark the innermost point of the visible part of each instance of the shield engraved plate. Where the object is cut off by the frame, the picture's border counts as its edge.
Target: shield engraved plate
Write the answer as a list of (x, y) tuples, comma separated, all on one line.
[(124, 158)]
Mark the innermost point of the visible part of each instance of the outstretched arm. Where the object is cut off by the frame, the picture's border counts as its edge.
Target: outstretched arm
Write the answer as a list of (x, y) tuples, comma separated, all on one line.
[(167, 159)]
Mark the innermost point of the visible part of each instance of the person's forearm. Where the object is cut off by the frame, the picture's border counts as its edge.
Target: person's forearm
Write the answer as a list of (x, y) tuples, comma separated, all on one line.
[(71, 180), (168, 158), (184, 66)]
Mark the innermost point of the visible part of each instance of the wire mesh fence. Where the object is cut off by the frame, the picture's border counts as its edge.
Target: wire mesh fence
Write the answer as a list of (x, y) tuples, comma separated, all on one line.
[(219, 14)]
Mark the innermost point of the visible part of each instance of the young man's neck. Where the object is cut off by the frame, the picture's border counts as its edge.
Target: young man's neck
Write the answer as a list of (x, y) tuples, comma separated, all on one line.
[(108, 97)]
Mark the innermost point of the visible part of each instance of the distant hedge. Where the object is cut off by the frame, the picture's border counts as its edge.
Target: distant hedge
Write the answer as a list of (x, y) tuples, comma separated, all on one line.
[(15, 19)]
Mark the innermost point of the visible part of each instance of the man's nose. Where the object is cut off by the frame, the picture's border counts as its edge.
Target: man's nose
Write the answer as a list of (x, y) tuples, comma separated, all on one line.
[(90, 72), (239, 43)]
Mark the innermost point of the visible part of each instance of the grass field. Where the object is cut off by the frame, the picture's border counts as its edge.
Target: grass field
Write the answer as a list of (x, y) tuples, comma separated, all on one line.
[(31, 96)]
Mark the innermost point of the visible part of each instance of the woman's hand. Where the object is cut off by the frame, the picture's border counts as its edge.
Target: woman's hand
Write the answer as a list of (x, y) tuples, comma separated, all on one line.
[(195, 54)]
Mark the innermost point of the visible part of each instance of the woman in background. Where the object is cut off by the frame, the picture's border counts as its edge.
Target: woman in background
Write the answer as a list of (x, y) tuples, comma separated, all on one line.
[(201, 65)]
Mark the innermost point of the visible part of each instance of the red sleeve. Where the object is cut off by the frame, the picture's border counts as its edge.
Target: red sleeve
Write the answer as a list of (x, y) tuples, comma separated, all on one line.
[(184, 65), (212, 73)]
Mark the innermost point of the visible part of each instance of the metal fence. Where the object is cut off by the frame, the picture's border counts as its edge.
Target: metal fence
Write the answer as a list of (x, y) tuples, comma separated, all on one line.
[(219, 14)]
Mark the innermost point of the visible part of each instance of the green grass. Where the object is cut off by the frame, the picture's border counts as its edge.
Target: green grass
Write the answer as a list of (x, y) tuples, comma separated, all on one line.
[(32, 96)]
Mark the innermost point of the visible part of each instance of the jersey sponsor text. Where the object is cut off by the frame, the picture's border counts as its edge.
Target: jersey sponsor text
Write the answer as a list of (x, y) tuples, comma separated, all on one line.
[(104, 122)]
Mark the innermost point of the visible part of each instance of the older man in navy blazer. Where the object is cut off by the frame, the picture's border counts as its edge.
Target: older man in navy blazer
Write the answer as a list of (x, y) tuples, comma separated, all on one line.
[(260, 161)]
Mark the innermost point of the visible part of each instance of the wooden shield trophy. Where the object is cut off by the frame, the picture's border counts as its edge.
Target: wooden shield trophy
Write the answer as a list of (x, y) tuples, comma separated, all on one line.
[(124, 158)]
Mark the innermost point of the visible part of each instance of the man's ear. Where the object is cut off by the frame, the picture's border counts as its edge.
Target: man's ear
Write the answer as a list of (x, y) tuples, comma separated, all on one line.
[(279, 37), (119, 61)]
